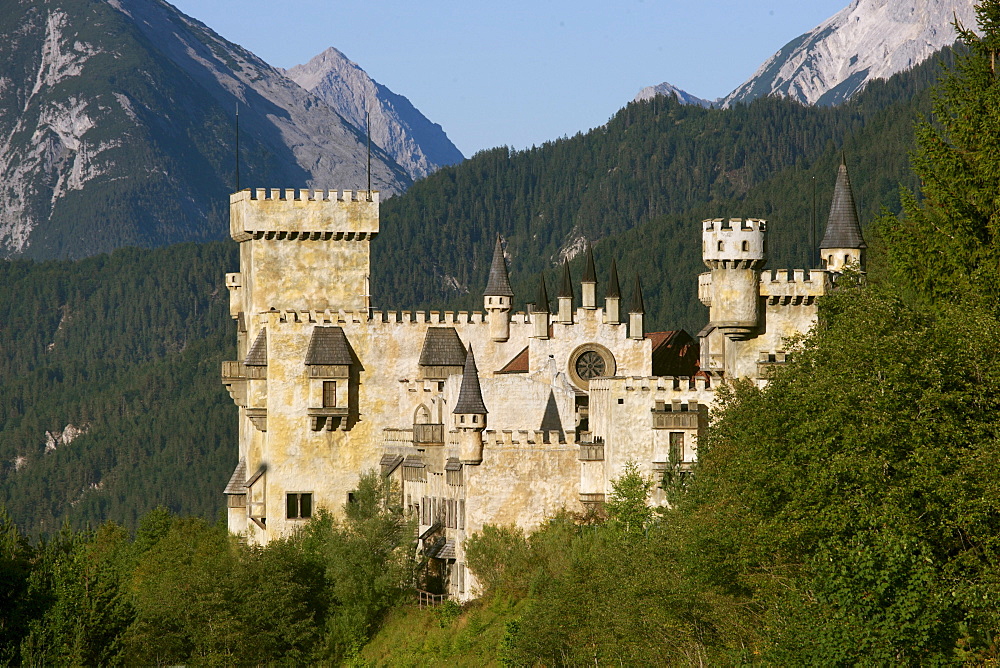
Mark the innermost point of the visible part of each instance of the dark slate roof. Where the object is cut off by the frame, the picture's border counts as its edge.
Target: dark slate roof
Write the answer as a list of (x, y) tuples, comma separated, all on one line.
[(613, 289), (470, 396), (390, 463), (442, 550), (567, 282), (519, 364), (590, 273), (542, 300), (258, 351), (431, 530), (237, 482), (414, 462), (442, 347), (843, 229), (637, 305), (675, 353), (498, 284), (328, 345)]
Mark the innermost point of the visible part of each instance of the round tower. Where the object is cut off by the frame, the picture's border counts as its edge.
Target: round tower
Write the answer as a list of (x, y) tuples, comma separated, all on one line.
[(498, 296), (735, 250), (470, 414)]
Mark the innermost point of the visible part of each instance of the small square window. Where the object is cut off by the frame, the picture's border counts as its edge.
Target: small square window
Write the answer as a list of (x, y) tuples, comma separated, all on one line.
[(298, 505), (621, 401)]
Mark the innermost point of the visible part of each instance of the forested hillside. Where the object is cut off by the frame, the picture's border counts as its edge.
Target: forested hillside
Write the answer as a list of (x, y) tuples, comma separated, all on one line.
[(125, 347), (658, 167)]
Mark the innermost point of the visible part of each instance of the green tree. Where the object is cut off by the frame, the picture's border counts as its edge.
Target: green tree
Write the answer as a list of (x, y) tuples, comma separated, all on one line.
[(946, 242), (628, 504)]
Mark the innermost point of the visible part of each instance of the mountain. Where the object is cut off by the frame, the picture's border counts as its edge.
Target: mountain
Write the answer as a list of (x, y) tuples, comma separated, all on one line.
[(668, 90), (869, 39), (117, 128), (419, 145)]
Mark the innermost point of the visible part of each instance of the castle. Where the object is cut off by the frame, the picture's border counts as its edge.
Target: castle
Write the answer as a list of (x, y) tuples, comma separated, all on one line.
[(496, 417)]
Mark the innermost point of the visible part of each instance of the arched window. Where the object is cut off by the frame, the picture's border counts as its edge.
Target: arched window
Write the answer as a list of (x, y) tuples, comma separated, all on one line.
[(422, 415), (746, 246), (721, 246)]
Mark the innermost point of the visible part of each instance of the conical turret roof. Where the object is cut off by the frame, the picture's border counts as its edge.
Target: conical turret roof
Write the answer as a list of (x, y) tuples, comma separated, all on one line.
[(613, 289), (542, 300), (843, 229), (590, 273), (470, 396), (498, 284), (567, 282), (637, 304)]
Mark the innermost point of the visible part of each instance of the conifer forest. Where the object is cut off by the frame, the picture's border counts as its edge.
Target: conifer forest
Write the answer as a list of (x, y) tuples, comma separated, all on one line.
[(847, 513)]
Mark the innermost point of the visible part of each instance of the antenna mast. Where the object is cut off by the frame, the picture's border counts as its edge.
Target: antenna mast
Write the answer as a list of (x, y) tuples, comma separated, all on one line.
[(368, 130), (237, 147)]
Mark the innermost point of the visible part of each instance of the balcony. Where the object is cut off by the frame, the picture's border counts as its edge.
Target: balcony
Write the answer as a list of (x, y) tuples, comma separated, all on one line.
[(428, 434), (235, 371), (591, 452)]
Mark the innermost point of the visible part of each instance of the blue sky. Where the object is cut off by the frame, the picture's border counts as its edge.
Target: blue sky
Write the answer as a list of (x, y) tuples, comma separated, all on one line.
[(520, 73)]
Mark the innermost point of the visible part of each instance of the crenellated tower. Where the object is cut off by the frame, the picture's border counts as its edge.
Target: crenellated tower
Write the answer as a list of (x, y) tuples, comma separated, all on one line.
[(302, 249), (735, 250)]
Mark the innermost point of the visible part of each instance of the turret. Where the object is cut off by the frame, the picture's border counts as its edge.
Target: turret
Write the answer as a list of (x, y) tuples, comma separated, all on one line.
[(612, 297), (588, 293), (636, 311), (735, 251), (470, 414), (566, 296), (498, 296), (540, 311), (843, 244)]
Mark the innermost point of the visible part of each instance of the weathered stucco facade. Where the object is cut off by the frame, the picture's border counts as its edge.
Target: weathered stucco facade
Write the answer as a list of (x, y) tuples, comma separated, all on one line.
[(491, 417)]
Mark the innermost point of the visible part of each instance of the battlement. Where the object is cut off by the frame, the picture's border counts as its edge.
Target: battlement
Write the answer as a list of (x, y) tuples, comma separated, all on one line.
[(657, 384), (795, 286), (734, 243), (304, 214), (508, 438), (735, 225), (339, 317)]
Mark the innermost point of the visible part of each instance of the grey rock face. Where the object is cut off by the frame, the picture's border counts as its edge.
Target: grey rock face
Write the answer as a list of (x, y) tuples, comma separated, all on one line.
[(668, 89), (117, 128), (869, 39), (418, 145)]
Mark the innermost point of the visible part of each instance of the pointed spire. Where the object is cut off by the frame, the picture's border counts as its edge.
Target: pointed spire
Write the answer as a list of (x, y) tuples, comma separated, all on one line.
[(567, 282), (590, 273), (470, 396), (843, 229), (637, 304), (613, 290), (498, 284), (542, 300)]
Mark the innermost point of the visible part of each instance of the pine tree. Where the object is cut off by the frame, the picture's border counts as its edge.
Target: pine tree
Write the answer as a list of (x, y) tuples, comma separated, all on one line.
[(946, 243)]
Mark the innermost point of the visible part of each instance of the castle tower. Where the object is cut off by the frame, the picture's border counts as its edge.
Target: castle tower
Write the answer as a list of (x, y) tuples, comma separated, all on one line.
[(735, 251), (566, 296), (843, 244), (636, 311), (589, 283), (293, 242), (470, 414), (498, 296), (540, 311), (612, 297)]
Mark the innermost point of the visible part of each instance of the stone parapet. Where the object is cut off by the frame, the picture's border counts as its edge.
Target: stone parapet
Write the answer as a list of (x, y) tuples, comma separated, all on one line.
[(304, 214)]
